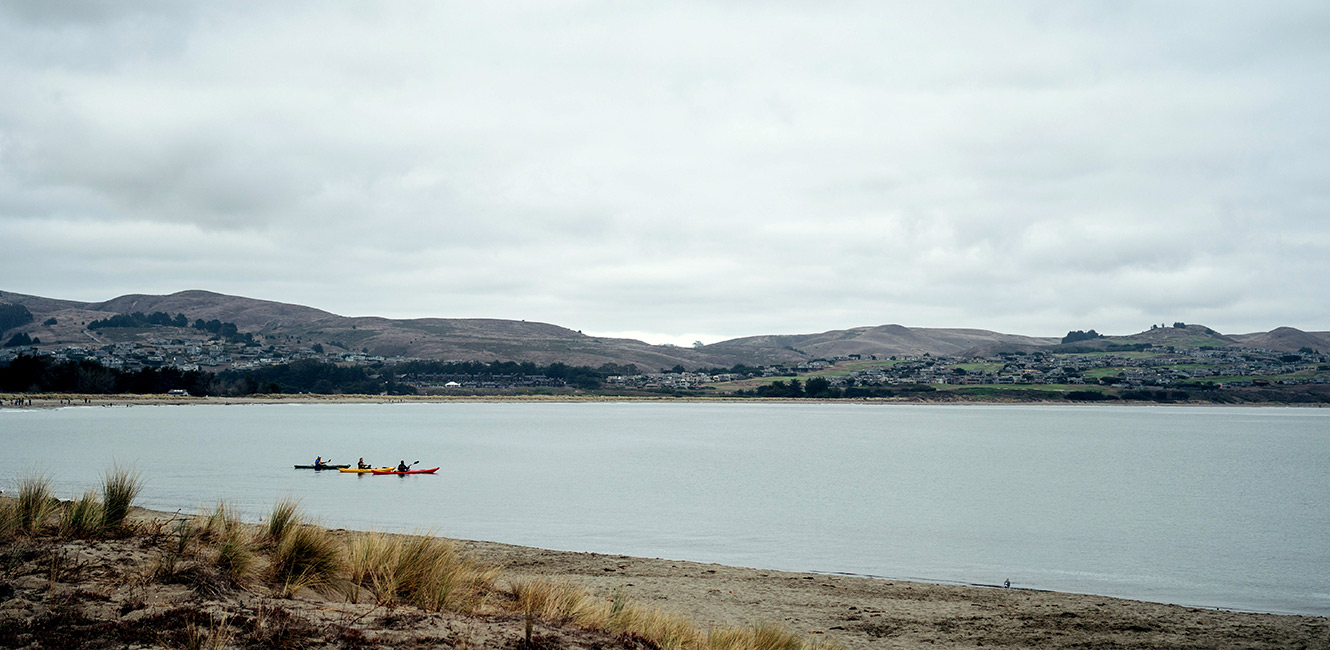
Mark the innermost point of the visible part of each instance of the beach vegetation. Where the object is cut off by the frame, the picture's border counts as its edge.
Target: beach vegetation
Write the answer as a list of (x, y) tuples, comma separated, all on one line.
[(8, 518), (285, 514), (761, 636), (562, 603), (81, 517), (120, 487), (421, 570), (35, 504), (303, 554), (232, 545)]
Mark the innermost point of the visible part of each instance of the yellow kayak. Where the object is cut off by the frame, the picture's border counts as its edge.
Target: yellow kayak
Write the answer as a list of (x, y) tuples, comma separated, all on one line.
[(352, 470)]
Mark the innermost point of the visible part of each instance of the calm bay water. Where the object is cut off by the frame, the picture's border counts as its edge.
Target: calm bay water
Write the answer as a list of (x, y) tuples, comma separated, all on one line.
[(1214, 507)]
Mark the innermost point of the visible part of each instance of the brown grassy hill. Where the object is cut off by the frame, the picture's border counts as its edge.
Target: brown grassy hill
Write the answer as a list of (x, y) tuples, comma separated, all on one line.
[(884, 340), (1189, 336), (1286, 339), (483, 339), (466, 339), (249, 314)]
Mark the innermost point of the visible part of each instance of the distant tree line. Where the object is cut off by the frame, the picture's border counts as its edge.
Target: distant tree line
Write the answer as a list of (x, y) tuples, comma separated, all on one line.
[(228, 331), (22, 339), (31, 374), (1079, 335), (34, 374), (12, 315)]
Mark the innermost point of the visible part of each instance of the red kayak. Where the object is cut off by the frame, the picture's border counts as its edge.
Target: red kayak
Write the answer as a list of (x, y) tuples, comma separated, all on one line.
[(385, 472)]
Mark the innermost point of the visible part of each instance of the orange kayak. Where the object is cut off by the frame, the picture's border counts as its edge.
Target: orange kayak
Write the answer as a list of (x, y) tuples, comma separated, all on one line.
[(385, 472)]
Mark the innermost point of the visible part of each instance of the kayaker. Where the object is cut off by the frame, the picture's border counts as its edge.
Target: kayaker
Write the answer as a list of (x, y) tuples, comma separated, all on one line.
[(318, 461), (403, 467), (360, 464)]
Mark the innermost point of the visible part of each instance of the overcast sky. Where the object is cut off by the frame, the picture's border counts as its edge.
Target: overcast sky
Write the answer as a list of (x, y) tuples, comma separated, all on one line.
[(679, 171)]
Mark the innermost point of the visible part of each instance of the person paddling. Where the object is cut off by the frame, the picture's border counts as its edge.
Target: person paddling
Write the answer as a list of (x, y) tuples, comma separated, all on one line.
[(403, 467), (318, 462), (361, 464)]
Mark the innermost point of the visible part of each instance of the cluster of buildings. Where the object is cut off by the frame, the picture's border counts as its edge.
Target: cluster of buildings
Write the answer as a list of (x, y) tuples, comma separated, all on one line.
[(189, 354), (1156, 367), (1224, 367)]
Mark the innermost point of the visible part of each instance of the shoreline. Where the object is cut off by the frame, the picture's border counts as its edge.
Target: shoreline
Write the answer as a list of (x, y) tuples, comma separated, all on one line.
[(862, 612), (57, 400), (98, 584)]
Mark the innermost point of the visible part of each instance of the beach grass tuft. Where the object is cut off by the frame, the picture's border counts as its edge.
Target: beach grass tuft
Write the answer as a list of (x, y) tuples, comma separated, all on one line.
[(421, 570), (762, 636), (120, 487), (35, 504), (285, 515), (233, 545), (81, 517), (555, 601), (306, 556), (8, 518)]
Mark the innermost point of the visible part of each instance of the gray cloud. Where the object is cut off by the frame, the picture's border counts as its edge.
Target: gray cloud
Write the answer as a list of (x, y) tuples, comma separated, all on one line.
[(692, 170)]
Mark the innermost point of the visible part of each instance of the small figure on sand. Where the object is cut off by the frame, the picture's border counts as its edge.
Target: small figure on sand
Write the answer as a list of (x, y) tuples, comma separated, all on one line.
[(1006, 584)]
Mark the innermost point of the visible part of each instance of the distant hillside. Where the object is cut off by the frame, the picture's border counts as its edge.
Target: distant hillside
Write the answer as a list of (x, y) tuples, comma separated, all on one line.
[(64, 322), (884, 340), (1285, 339)]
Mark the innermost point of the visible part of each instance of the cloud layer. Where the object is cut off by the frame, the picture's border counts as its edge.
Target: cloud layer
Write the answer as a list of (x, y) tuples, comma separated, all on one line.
[(697, 170)]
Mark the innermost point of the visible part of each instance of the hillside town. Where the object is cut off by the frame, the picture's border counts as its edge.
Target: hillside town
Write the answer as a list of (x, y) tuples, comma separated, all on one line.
[(1222, 367)]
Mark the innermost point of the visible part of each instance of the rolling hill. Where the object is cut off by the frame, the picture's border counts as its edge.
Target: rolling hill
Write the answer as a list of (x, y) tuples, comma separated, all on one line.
[(64, 322)]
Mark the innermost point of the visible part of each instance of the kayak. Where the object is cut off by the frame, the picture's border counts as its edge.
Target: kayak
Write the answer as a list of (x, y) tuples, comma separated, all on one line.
[(386, 472), (319, 467), (367, 470)]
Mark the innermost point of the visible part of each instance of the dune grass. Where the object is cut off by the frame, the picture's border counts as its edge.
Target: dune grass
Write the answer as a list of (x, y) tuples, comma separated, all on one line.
[(82, 517), (35, 504), (420, 570), (120, 487), (285, 514), (304, 555), (8, 518), (562, 603), (233, 545)]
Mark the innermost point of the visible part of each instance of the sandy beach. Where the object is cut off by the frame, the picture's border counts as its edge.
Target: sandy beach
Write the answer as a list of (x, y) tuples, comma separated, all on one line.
[(59, 592)]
